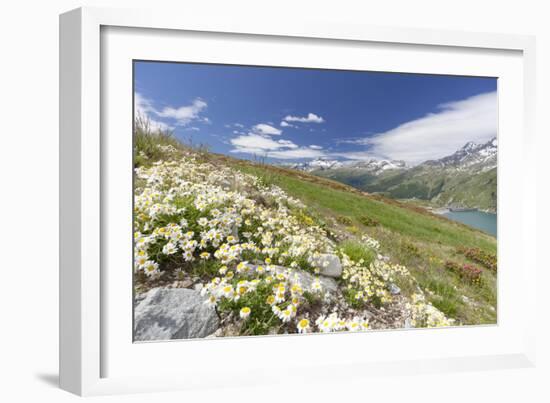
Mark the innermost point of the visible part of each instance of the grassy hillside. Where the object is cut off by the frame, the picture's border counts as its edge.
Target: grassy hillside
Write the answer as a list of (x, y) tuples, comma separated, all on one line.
[(472, 190), (440, 186)]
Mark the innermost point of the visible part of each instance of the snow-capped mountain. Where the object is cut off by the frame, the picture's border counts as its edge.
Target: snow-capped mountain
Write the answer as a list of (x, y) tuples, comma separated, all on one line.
[(376, 167), (316, 164), (372, 166), (465, 178), (482, 156)]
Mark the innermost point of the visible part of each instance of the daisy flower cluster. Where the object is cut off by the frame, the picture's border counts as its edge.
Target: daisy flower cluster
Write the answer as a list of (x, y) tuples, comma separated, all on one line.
[(370, 242), (423, 314), (332, 323), (264, 294), (193, 211), (370, 282)]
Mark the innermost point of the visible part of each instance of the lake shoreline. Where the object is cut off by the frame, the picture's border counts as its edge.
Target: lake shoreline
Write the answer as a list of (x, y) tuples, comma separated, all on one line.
[(481, 220), (446, 210)]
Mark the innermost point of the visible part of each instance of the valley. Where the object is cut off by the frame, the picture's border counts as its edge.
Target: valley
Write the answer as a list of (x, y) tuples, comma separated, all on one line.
[(465, 179)]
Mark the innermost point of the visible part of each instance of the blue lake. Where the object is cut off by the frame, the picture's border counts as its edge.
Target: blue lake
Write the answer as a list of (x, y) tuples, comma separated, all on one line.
[(478, 219)]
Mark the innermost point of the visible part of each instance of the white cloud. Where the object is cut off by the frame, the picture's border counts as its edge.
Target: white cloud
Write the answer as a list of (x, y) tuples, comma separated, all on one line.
[(437, 134), (350, 140), (287, 143), (310, 118), (286, 124), (230, 125), (185, 114), (253, 143), (157, 125), (355, 155), (143, 109), (256, 144), (314, 147), (142, 105), (298, 153), (265, 129)]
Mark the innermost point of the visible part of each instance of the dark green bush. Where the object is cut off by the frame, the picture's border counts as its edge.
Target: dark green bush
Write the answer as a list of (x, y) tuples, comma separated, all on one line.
[(368, 221), (345, 220)]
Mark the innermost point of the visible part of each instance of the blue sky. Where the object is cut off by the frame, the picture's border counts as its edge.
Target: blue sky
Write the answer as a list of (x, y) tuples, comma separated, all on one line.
[(288, 114)]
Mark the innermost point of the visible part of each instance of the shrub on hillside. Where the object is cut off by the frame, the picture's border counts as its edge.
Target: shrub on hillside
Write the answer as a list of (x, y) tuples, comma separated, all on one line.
[(344, 220), (477, 255), (368, 221), (411, 249), (467, 272)]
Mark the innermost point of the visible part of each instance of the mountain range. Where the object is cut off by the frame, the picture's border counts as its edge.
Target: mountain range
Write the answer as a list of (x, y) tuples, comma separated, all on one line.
[(467, 178)]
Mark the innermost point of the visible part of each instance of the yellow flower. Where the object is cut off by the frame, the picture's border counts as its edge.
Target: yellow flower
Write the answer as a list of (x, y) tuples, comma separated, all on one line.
[(228, 291), (245, 312), (242, 267), (303, 326)]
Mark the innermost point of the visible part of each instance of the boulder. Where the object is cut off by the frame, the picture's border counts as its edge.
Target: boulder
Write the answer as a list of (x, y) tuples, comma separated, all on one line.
[(173, 313), (328, 264)]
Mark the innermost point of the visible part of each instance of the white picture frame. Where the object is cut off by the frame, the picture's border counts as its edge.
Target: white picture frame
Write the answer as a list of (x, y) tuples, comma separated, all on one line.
[(93, 339)]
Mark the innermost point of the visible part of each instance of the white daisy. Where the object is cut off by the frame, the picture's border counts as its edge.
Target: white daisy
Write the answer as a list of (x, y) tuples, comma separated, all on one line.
[(303, 326), (245, 312)]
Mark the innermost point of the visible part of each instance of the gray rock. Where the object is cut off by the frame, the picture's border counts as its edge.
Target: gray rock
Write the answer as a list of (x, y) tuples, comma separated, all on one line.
[(394, 290), (138, 298), (383, 258), (175, 313), (306, 279), (182, 283), (328, 264)]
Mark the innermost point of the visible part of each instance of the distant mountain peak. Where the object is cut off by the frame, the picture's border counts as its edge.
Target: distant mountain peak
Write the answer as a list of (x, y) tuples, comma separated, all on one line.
[(372, 166), (464, 178), (470, 154), (376, 166), (470, 145), (320, 163), (481, 156)]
